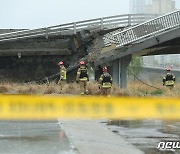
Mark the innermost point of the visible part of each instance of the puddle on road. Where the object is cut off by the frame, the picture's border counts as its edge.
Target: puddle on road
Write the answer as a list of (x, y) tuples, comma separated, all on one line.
[(146, 134)]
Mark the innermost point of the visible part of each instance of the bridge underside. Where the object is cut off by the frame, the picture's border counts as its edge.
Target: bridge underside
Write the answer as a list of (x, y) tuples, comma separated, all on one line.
[(169, 47), (36, 58), (166, 43)]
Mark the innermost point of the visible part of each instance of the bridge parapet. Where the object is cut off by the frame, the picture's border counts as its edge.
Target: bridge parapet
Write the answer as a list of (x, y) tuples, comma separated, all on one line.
[(139, 32), (74, 27)]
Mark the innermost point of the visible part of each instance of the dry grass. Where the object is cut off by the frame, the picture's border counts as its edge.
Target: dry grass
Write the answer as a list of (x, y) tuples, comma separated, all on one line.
[(3, 89), (139, 89), (133, 89)]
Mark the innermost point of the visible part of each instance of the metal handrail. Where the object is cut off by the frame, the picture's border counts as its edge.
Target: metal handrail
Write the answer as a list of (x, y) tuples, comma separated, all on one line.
[(74, 27), (144, 30)]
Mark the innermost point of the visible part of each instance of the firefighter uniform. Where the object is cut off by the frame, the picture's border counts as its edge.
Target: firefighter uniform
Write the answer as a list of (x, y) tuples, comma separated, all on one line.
[(82, 77), (105, 82), (62, 71), (169, 79)]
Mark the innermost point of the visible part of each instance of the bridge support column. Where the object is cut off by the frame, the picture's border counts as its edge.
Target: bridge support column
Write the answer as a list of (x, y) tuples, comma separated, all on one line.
[(116, 71), (98, 73), (124, 62)]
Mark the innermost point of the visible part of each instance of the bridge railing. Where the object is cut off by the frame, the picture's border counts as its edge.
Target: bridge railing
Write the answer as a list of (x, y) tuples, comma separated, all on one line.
[(144, 30), (73, 28)]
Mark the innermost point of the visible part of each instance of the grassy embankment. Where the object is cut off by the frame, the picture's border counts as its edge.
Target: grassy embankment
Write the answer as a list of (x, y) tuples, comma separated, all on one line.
[(133, 89)]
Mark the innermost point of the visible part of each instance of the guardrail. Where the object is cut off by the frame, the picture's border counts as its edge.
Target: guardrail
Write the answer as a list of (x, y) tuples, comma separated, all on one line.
[(74, 27), (144, 30), (163, 68)]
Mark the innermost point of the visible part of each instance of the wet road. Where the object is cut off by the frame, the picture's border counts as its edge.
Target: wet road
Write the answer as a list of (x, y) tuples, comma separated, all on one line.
[(33, 137), (146, 134), (47, 137)]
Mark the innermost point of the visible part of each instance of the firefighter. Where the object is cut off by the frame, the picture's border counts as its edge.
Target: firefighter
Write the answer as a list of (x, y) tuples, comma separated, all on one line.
[(169, 79), (105, 82), (62, 79), (82, 77)]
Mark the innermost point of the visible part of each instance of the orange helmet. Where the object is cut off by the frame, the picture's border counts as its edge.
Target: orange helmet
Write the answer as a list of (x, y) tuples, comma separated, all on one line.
[(168, 69), (82, 63), (61, 63), (105, 69)]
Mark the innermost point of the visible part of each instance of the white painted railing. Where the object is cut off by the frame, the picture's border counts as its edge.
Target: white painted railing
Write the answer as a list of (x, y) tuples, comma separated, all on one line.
[(161, 67), (143, 30), (73, 28)]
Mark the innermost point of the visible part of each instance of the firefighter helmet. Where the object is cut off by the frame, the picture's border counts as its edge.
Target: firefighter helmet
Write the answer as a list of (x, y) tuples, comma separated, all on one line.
[(82, 63), (168, 69), (105, 69), (61, 63)]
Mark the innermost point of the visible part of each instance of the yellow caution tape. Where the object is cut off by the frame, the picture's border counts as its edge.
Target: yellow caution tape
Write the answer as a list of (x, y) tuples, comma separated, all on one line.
[(50, 107)]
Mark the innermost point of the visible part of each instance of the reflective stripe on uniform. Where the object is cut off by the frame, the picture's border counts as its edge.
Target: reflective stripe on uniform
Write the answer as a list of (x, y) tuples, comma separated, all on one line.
[(63, 73), (83, 79), (169, 83), (106, 85)]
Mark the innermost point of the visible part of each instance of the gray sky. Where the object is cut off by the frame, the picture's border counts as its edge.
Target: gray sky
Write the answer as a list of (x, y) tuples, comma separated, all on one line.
[(42, 13)]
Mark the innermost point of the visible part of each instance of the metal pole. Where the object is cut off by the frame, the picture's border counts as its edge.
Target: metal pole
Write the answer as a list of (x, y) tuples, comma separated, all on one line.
[(47, 33), (102, 25), (129, 19), (75, 31)]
